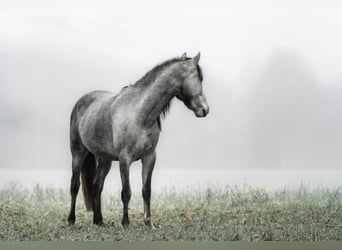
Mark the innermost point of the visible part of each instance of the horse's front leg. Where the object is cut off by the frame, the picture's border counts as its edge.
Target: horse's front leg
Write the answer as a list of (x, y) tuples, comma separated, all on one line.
[(147, 168), (103, 167), (125, 163)]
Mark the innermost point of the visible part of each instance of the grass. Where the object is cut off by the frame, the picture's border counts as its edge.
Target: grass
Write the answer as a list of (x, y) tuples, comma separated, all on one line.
[(215, 214)]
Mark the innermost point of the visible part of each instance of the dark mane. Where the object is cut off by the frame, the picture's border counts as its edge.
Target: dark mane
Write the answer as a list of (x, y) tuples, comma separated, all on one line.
[(152, 75), (163, 114)]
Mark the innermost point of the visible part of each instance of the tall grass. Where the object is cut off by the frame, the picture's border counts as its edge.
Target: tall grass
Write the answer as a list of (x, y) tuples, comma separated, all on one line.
[(215, 214)]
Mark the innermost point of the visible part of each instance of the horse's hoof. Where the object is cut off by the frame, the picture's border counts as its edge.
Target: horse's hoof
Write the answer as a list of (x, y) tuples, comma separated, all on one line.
[(149, 224), (125, 224), (71, 222), (99, 223)]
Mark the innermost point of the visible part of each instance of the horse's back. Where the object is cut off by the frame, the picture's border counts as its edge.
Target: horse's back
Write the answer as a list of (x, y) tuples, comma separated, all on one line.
[(85, 101)]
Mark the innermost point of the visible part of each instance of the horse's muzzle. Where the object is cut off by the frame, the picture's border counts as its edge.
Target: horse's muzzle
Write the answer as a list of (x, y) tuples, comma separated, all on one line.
[(202, 112)]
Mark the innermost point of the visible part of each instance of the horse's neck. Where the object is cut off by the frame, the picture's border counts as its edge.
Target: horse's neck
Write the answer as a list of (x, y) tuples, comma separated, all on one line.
[(157, 96)]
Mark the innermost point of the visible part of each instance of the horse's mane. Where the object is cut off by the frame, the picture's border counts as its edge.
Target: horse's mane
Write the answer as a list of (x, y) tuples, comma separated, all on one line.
[(150, 77)]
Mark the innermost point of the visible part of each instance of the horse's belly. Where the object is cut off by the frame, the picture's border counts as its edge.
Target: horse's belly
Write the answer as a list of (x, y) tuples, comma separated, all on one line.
[(99, 145), (110, 142)]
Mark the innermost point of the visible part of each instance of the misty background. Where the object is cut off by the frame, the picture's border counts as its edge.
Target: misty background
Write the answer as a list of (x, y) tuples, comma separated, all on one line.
[(272, 76)]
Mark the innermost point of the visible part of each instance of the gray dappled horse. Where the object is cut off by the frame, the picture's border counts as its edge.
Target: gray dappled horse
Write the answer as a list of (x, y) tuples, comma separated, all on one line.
[(125, 127)]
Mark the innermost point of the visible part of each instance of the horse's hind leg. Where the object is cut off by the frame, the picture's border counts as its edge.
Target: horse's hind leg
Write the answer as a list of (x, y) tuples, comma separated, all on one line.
[(147, 168), (103, 167), (77, 162)]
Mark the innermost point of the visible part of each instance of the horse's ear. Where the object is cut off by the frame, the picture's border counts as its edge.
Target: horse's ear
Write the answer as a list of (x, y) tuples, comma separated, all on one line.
[(197, 58), (184, 56)]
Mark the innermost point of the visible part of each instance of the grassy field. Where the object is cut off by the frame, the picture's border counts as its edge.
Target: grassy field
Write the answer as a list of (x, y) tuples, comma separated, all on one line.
[(215, 214)]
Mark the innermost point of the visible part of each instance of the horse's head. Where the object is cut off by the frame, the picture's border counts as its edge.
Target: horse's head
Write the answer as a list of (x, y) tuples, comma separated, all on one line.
[(191, 92)]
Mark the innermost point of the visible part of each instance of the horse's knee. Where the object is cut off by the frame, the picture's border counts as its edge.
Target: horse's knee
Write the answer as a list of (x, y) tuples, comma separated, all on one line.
[(146, 193), (126, 195)]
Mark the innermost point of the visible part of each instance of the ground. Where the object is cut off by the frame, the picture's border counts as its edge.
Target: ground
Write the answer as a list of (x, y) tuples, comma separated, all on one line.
[(229, 213)]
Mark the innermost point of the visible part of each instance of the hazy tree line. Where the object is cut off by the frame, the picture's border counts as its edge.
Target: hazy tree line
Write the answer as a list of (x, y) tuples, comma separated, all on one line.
[(289, 118)]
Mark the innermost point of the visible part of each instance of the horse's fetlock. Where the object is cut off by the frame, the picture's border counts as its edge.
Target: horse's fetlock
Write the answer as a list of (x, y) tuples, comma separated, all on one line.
[(125, 222), (71, 220)]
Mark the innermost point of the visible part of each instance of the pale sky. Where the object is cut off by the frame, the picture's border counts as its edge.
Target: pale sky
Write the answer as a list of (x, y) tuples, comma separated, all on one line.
[(52, 54)]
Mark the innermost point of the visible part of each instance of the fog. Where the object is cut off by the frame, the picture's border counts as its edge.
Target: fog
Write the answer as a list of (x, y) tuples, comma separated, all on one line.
[(271, 75)]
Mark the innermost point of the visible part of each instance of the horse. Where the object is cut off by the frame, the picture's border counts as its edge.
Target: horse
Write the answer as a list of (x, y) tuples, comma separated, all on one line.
[(125, 127)]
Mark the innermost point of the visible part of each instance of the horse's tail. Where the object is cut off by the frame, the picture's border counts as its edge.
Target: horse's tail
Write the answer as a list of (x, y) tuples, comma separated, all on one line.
[(87, 175)]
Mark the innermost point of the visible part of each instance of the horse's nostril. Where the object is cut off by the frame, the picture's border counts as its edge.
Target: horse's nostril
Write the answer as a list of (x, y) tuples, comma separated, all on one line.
[(204, 112)]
